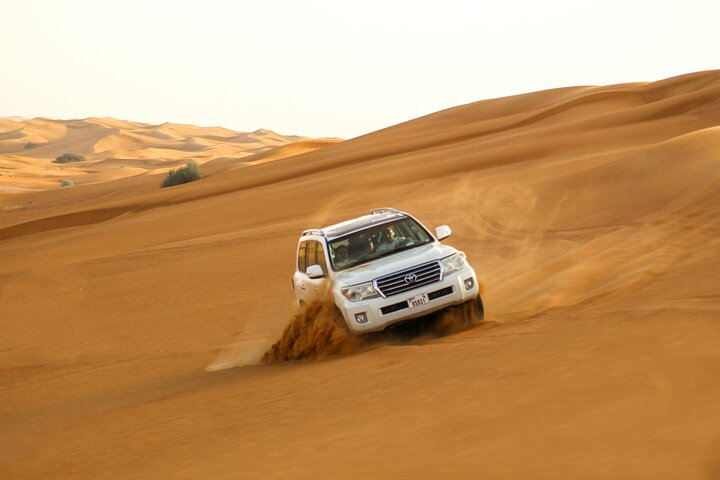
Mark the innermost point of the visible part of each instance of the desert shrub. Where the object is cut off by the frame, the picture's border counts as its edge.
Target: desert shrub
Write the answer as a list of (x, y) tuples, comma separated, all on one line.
[(67, 183), (189, 173), (69, 157)]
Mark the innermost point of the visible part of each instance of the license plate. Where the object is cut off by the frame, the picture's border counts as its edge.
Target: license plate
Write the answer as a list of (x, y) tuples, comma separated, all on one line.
[(418, 300)]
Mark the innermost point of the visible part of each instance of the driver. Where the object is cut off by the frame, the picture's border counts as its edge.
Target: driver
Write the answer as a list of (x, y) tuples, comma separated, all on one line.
[(387, 240)]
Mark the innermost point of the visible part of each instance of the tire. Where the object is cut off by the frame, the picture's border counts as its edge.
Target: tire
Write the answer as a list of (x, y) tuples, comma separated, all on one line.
[(479, 308)]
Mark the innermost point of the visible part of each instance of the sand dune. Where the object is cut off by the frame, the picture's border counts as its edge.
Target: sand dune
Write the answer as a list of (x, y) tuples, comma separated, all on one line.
[(115, 149), (590, 213)]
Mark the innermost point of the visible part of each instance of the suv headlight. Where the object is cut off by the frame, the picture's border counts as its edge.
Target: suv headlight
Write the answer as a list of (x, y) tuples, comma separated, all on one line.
[(453, 263), (363, 291)]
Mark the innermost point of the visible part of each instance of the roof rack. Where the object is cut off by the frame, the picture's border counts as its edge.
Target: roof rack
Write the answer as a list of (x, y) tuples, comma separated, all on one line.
[(313, 231), (383, 210)]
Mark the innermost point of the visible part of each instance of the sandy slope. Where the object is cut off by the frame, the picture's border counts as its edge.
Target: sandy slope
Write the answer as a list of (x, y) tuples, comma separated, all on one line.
[(590, 213), (118, 149)]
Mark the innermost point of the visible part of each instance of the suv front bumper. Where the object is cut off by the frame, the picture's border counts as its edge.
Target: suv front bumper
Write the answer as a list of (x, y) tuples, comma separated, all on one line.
[(381, 312)]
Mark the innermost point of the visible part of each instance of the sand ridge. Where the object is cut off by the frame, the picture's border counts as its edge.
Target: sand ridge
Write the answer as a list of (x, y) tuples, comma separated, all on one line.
[(590, 214), (117, 149)]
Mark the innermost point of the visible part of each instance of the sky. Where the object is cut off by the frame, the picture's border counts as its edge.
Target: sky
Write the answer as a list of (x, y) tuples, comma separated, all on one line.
[(330, 68)]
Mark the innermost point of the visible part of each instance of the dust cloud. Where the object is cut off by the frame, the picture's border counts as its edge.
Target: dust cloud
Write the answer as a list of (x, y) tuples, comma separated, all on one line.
[(241, 354), (318, 331)]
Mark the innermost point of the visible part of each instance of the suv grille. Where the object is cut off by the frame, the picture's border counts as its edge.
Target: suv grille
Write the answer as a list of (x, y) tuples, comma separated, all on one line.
[(409, 279)]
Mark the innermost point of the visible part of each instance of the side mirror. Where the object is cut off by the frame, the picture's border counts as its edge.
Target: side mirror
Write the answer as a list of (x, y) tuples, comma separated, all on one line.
[(443, 231), (315, 271)]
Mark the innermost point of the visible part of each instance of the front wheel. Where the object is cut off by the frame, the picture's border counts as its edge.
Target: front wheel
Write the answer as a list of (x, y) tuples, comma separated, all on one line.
[(458, 317), (472, 311)]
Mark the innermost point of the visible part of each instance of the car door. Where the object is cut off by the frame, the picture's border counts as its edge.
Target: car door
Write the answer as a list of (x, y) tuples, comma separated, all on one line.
[(310, 288)]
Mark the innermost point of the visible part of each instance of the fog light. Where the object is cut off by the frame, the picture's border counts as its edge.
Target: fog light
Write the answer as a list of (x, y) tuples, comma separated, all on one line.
[(469, 283), (361, 317)]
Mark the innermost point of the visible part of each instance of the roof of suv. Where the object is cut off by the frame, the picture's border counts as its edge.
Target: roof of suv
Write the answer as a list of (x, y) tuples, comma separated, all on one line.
[(376, 217)]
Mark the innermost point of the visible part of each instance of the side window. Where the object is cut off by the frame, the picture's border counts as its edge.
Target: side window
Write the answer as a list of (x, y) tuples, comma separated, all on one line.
[(302, 266), (311, 253), (321, 257)]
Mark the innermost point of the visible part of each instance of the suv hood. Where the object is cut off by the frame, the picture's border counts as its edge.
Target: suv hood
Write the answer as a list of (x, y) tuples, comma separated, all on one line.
[(392, 263)]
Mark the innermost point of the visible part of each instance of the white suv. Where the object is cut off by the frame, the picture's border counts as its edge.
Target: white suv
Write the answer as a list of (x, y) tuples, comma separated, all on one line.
[(383, 268)]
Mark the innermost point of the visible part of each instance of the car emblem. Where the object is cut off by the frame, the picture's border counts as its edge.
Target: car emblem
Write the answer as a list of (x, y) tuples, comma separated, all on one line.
[(412, 278)]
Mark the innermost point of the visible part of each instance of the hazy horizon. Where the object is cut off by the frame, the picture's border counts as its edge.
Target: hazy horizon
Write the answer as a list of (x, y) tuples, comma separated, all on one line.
[(321, 70)]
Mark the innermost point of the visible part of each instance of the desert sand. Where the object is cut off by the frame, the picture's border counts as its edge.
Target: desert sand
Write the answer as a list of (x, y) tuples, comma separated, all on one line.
[(591, 214)]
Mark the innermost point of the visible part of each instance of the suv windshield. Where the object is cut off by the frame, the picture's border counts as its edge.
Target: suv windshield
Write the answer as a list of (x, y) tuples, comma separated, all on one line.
[(375, 242)]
